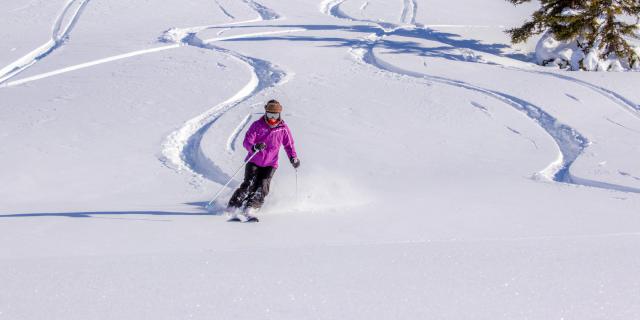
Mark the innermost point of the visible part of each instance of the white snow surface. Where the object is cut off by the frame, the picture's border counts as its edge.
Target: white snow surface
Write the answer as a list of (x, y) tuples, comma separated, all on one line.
[(444, 174)]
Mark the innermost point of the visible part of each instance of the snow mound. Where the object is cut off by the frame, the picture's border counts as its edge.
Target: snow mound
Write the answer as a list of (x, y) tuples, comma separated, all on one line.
[(173, 35), (573, 55)]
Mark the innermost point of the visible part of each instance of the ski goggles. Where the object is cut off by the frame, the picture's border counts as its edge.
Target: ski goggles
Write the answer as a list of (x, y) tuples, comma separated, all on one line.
[(271, 115)]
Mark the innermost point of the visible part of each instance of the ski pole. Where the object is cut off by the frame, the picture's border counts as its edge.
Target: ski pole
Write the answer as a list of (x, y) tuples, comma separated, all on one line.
[(297, 199), (233, 176)]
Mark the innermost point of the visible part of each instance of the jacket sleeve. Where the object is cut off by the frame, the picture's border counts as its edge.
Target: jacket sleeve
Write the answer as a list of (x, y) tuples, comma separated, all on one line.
[(250, 138), (288, 143)]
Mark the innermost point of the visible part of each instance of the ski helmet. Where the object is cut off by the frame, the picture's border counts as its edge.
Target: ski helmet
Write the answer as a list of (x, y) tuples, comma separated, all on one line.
[(273, 106)]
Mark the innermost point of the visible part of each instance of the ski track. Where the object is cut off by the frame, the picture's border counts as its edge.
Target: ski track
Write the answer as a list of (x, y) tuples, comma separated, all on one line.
[(332, 8), (618, 99), (224, 11), (173, 36), (264, 12), (59, 35), (482, 108), (231, 141), (570, 142), (621, 125), (409, 11), (462, 26), (533, 142), (613, 96), (182, 148), (138, 53), (405, 11), (363, 7)]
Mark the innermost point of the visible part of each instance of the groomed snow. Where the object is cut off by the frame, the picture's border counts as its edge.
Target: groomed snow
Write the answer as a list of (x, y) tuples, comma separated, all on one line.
[(444, 174)]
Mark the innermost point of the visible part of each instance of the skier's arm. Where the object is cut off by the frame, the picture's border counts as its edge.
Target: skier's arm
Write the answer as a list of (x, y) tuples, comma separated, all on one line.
[(250, 139), (288, 144)]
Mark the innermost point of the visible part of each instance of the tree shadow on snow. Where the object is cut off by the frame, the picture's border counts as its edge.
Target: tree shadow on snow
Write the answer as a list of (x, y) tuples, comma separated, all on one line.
[(449, 41)]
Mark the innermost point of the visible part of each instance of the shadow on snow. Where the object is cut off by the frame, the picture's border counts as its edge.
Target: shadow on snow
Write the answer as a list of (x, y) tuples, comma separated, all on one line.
[(201, 206), (451, 41)]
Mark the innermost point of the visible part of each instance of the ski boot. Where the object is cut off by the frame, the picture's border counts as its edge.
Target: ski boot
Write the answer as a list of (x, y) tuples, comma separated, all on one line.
[(248, 215), (231, 213)]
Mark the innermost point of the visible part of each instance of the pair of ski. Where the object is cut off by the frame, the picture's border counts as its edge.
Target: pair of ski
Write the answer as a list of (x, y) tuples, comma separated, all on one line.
[(241, 217)]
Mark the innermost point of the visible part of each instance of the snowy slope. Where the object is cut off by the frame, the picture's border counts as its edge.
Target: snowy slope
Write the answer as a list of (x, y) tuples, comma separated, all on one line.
[(444, 175)]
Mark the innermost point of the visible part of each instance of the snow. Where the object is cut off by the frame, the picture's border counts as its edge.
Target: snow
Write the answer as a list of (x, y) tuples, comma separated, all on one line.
[(444, 174), (569, 54), (550, 51)]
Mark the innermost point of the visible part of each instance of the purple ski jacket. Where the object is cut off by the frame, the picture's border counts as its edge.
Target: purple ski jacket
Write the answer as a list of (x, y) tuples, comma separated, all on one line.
[(273, 138)]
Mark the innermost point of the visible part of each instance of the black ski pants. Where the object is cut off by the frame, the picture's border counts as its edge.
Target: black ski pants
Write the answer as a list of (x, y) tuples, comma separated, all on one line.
[(254, 188)]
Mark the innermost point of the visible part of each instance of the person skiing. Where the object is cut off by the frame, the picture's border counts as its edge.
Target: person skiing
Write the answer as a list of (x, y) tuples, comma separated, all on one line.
[(262, 141)]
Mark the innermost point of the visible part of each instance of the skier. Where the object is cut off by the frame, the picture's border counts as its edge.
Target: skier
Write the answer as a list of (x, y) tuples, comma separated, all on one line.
[(264, 137)]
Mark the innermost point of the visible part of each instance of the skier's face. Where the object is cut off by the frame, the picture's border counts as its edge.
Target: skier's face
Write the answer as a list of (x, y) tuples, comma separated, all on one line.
[(272, 118)]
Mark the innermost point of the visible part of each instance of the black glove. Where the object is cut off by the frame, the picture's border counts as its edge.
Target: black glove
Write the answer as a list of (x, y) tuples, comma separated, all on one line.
[(295, 162), (259, 146)]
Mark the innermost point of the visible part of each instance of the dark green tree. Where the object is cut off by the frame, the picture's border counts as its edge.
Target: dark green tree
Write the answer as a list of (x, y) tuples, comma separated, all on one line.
[(599, 27)]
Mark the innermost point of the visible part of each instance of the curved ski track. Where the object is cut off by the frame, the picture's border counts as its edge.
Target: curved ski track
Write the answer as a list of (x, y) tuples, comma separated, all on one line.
[(569, 141), (182, 147), (59, 34), (628, 105), (141, 52), (233, 137), (332, 8), (614, 97)]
